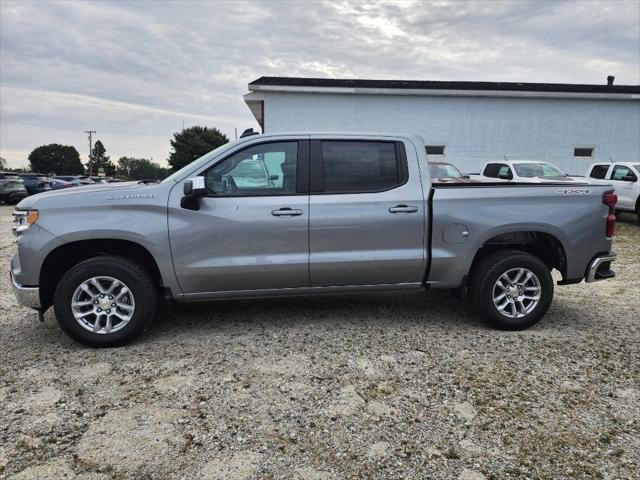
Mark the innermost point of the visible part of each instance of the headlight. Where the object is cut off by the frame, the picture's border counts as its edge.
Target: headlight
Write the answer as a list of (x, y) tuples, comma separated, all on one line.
[(23, 219)]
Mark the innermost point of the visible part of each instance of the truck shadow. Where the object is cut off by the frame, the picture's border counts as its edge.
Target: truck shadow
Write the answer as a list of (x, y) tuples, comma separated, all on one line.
[(438, 309), (627, 218)]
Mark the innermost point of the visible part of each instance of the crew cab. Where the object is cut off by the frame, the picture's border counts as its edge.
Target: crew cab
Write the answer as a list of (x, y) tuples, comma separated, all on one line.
[(522, 171), (333, 213), (623, 176)]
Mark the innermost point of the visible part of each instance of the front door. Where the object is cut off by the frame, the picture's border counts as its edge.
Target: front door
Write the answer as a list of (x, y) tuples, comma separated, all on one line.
[(367, 214), (623, 179), (251, 231)]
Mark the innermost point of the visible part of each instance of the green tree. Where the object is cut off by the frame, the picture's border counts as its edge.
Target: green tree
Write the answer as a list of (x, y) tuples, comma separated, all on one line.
[(139, 169), (100, 159), (193, 142), (3, 164), (56, 159)]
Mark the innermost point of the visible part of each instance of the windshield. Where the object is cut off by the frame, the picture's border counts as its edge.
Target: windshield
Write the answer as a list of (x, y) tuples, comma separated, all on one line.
[(198, 162), (540, 170), (637, 167), (444, 170)]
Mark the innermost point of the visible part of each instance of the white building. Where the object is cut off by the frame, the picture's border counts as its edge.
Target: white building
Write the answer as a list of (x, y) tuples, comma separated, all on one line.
[(465, 123)]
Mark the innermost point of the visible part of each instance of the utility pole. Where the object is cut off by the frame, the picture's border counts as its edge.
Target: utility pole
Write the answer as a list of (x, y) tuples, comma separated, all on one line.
[(90, 132)]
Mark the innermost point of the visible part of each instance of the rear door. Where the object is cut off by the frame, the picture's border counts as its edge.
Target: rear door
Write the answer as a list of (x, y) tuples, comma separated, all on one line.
[(367, 213)]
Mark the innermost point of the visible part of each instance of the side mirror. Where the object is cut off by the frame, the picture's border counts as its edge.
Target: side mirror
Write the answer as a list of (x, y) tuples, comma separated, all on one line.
[(629, 178), (466, 176), (193, 189), (274, 177)]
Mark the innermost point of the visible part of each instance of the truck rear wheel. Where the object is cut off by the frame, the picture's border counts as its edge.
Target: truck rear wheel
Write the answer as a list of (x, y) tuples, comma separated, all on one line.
[(511, 289), (105, 301)]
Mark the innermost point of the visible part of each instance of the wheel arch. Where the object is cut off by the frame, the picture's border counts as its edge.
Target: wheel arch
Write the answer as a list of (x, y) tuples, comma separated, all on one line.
[(64, 257), (543, 245)]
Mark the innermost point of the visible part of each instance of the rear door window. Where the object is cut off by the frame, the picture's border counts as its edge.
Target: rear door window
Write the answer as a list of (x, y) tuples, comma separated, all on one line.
[(599, 171), (494, 170), (360, 166)]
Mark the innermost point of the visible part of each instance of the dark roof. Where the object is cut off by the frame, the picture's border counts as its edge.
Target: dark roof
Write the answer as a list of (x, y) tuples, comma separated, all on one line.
[(441, 85)]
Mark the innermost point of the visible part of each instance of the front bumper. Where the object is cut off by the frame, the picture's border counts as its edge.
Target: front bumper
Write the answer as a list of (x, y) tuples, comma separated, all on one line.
[(600, 268), (26, 296)]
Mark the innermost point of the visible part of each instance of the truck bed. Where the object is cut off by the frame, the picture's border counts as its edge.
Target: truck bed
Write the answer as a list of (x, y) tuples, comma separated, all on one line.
[(467, 216)]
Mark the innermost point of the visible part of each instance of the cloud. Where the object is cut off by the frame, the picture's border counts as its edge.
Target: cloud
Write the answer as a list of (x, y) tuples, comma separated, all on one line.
[(136, 71)]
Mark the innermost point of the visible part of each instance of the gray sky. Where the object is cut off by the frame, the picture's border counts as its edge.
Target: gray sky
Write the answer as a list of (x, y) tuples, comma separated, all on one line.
[(136, 71)]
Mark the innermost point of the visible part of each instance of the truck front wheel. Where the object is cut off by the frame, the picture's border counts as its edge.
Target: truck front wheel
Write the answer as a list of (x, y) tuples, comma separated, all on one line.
[(105, 301), (511, 289)]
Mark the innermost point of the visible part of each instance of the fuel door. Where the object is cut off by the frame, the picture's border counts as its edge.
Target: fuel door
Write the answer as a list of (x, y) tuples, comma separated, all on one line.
[(455, 233)]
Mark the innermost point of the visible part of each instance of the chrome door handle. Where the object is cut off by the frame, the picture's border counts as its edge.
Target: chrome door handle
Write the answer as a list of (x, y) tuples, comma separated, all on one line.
[(286, 212), (403, 209)]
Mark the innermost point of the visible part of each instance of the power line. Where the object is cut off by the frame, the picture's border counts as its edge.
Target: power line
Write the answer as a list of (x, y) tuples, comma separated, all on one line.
[(90, 132)]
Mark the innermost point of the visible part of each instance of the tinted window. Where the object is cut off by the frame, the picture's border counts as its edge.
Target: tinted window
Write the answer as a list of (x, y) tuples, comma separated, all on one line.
[(495, 169), (267, 169), (620, 171), (360, 166), (599, 171)]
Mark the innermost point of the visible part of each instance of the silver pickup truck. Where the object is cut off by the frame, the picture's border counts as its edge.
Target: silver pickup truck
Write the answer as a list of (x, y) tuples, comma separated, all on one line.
[(298, 214)]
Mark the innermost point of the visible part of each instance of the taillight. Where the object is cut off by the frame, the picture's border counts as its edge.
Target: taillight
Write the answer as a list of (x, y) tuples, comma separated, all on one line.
[(610, 199)]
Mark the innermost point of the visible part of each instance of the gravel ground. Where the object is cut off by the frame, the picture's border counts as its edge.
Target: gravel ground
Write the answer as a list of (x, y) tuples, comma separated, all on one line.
[(408, 385)]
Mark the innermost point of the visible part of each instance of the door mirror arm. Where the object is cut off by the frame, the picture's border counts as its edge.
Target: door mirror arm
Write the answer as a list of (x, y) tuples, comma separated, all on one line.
[(193, 189)]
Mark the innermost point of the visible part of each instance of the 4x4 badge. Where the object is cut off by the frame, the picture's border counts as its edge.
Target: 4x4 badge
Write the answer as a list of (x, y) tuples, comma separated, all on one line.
[(574, 191)]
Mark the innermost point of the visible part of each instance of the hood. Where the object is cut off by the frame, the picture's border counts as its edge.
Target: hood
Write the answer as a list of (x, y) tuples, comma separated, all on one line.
[(79, 194)]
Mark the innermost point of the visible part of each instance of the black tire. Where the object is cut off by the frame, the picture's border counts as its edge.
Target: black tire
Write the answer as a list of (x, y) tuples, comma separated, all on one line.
[(134, 276), (482, 282)]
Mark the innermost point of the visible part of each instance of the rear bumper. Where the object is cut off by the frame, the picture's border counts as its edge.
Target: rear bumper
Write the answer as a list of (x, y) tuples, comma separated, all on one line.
[(600, 268), (26, 296)]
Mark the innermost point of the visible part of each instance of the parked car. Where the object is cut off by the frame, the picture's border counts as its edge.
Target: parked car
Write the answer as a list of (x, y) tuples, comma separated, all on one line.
[(623, 176), (75, 180), (522, 171), (11, 188), (348, 213), (35, 182), (98, 179), (443, 172), (57, 183)]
